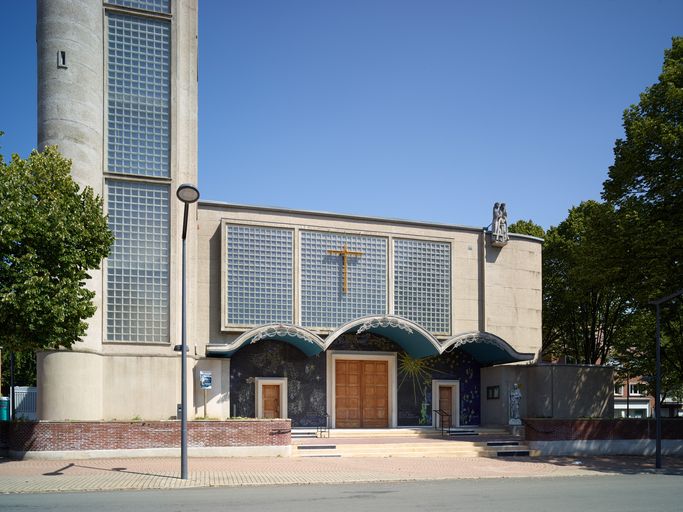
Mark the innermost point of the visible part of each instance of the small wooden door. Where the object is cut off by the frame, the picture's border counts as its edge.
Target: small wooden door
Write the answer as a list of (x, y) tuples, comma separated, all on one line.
[(271, 400), (361, 394), (446, 402)]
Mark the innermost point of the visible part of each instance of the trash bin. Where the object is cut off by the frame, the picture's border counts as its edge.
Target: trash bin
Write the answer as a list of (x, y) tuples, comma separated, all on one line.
[(4, 408)]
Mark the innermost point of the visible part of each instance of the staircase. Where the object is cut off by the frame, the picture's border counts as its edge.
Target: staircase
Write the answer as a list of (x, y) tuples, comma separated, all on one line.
[(409, 443)]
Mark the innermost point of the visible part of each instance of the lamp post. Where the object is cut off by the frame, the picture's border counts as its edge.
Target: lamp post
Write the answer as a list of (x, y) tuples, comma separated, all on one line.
[(188, 194), (658, 383)]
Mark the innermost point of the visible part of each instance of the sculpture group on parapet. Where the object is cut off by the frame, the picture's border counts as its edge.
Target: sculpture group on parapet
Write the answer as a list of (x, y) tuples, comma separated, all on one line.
[(499, 225)]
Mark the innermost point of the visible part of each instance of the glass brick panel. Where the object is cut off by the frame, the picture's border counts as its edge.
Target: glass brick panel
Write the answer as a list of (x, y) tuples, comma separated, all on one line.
[(323, 301), (139, 94), (260, 275), (147, 5), (138, 266), (422, 283)]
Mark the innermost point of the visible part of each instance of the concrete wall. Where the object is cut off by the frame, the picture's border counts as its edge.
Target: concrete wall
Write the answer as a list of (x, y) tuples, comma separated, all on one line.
[(96, 386), (511, 299), (218, 397), (144, 387), (549, 391), (602, 437), (513, 294)]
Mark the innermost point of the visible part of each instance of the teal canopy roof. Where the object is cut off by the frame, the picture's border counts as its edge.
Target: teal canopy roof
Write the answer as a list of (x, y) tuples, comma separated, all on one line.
[(306, 341), (412, 338), (486, 348)]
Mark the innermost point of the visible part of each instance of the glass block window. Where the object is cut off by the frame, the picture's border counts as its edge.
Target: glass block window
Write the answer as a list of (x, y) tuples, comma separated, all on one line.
[(139, 94), (147, 5), (422, 283), (138, 266), (260, 275), (323, 301)]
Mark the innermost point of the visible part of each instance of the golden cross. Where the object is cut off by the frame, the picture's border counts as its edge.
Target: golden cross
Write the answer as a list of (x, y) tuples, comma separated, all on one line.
[(345, 253)]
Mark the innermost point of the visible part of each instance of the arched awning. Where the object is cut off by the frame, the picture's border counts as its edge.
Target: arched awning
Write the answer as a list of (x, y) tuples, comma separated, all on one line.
[(306, 341), (409, 335), (486, 348)]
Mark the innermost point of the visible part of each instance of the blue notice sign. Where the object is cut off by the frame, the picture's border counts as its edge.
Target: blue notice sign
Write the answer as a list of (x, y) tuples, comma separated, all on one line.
[(205, 379)]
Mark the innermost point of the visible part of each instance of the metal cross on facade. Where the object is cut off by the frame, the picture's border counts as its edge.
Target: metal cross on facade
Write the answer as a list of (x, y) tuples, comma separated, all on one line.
[(345, 253)]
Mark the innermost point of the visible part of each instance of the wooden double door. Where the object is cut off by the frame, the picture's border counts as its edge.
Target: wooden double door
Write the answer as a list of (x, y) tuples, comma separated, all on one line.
[(361, 394)]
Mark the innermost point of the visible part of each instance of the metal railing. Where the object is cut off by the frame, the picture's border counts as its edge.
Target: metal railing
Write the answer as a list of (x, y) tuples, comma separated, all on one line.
[(444, 420)]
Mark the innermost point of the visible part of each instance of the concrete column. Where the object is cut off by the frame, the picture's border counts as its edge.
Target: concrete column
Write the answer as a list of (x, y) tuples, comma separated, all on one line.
[(69, 386), (69, 38), (70, 84)]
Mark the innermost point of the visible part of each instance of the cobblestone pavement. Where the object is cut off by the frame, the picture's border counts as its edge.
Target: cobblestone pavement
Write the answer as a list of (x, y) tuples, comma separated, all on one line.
[(163, 473)]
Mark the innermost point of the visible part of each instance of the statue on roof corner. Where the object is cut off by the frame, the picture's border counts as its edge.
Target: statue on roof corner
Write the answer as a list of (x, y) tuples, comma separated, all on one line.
[(499, 226)]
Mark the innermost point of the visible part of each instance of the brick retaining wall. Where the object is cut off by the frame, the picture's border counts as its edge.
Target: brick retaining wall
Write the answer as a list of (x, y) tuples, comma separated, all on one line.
[(25, 436), (538, 429)]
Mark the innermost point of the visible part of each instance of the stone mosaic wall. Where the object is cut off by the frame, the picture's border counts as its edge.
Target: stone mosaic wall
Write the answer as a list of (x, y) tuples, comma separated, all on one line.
[(306, 379), (269, 358)]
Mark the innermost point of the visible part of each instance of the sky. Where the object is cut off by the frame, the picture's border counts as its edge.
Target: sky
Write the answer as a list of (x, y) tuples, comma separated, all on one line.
[(428, 110)]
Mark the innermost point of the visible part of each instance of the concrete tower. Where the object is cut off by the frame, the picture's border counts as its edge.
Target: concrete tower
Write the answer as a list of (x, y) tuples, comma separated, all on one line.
[(117, 93)]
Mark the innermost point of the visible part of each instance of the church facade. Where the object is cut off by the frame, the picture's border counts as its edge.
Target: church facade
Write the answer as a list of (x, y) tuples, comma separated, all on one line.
[(353, 321), (367, 322)]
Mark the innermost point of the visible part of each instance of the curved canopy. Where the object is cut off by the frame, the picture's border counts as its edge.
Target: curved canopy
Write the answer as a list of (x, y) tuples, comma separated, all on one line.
[(306, 341), (411, 337), (486, 348)]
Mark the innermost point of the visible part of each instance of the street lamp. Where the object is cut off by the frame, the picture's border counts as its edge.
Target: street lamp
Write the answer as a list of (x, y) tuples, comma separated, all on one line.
[(188, 194), (658, 383)]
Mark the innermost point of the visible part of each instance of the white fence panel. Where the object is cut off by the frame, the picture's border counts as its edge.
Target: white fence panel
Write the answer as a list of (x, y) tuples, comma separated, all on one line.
[(27, 402)]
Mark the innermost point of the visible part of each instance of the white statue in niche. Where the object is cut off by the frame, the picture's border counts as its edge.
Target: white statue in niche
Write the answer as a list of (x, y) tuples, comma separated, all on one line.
[(515, 399), (499, 225)]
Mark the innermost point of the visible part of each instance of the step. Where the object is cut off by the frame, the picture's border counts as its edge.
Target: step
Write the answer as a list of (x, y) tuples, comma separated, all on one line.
[(429, 432), (462, 432), (423, 449), (502, 443), (316, 447), (304, 435), (379, 432), (514, 453)]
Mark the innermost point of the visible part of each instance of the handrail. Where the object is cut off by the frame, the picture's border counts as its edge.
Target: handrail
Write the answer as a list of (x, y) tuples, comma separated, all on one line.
[(321, 430), (442, 415)]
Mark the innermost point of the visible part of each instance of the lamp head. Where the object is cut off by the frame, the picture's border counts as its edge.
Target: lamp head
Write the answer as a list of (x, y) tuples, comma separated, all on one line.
[(187, 193)]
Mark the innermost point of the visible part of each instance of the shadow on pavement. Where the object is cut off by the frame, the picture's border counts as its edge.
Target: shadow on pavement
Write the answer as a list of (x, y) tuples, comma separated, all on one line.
[(623, 464), (60, 471)]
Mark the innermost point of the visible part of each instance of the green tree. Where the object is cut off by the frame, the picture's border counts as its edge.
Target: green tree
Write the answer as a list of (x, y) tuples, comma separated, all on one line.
[(634, 353), (527, 227), (24, 370), (646, 181), (585, 297), (645, 184), (51, 235)]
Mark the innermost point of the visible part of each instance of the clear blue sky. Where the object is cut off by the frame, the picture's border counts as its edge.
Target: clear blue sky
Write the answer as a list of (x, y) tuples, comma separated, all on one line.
[(417, 109)]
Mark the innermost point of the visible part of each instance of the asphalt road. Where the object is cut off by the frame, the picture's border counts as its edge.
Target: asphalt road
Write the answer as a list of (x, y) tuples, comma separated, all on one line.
[(625, 493)]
